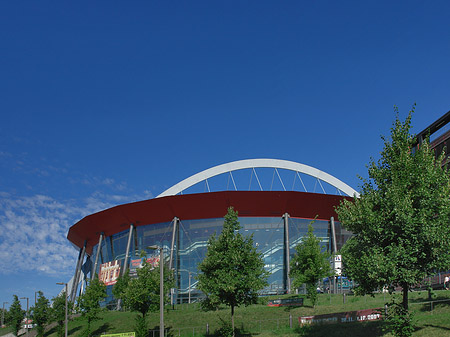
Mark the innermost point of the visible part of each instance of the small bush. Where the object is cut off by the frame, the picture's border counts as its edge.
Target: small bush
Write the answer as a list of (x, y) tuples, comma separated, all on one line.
[(141, 328), (400, 321), (225, 330)]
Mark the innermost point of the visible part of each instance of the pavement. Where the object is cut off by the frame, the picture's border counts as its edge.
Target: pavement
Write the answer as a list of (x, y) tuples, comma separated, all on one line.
[(9, 335)]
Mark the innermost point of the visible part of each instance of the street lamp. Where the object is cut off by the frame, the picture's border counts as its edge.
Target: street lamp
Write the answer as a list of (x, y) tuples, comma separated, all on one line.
[(28, 305), (3, 313), (161, 288), (65, 317)]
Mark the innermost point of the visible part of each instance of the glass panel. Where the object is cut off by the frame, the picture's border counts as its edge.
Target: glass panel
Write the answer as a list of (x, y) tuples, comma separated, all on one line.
[(268, 236)]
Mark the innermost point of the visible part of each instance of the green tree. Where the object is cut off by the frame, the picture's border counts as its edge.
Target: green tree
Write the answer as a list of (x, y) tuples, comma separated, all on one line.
[(89, 302), (16, 315), (233, 270), (310, 264), (121, 285), (142, 294), (400, 220), (41, 313), (58, 312)]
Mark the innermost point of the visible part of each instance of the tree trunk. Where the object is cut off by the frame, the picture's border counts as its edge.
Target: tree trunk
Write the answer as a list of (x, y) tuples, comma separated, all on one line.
[(232, 318), (405, 295)]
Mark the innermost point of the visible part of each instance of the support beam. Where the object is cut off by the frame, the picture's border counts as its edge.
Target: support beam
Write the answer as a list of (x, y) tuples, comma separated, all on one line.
[(333, 235), (127, 254), (174, 231), (333, 238), (73, 294), (125, 264), (99, 248), (287, 267)]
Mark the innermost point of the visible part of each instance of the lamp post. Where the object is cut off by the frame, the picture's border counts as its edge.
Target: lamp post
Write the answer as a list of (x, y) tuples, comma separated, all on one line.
[(26, 318), (189, 289), (190, 285), (161, 288), (3, 313), (65, 317)]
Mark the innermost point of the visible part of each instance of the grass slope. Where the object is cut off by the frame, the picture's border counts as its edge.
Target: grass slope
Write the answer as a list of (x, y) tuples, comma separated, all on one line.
[(260, 320)]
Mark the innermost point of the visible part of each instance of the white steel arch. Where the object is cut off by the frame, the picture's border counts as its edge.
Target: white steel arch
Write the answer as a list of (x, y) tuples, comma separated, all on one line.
[(259, 163)]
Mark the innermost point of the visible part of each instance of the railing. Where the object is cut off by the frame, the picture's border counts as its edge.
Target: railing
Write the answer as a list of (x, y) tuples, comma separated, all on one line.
[(431, 304)]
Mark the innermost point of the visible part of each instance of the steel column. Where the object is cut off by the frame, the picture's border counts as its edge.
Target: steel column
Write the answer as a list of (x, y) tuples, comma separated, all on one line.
[(73, 293), (175, 225), (127, 254), (333, 237), (99, 248)]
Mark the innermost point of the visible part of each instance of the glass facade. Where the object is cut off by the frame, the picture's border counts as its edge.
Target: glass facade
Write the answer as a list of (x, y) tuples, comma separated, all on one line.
[(190, 244)]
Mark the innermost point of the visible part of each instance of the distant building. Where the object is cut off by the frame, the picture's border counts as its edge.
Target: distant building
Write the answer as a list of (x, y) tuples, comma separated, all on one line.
[(181, 221), (439, 133)]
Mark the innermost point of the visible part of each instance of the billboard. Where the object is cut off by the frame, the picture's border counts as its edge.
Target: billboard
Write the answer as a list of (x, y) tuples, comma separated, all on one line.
[(109, 272)]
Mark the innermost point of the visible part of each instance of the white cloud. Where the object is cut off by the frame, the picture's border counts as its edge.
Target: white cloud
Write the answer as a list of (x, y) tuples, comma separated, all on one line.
[(33, 231), (33, 235)]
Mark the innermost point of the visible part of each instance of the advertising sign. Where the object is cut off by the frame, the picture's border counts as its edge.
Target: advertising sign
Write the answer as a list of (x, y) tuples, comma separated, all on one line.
[(109, 272), (135, 264), (153, 261), (343, 317)]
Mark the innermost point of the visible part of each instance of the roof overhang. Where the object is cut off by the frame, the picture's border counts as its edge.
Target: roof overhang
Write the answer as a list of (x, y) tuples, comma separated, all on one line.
[(202, 206)]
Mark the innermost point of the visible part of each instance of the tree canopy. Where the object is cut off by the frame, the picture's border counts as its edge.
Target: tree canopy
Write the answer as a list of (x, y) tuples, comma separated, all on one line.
[(16, 315), (233, 270), (400, 221), (41, 313), (89, 302), (142, 294), (310, 264)]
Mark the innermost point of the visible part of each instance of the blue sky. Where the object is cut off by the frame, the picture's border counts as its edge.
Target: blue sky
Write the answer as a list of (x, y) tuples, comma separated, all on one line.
[(108, 102)]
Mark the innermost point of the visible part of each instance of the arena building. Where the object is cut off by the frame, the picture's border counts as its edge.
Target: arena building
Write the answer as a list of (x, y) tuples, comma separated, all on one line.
[(181, 222)]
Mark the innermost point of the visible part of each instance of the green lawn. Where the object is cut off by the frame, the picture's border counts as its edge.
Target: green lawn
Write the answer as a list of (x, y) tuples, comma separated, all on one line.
[(4, 331), (260, 320)]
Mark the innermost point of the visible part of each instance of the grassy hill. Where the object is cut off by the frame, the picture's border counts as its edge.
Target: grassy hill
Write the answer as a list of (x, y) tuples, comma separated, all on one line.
[(260, 320)]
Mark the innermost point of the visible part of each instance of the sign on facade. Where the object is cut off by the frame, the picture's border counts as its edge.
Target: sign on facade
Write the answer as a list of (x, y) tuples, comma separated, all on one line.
[(109, 272)]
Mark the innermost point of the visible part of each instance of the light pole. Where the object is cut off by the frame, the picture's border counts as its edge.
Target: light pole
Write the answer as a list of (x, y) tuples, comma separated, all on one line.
[(65, 317), (35, 299), (3, 313), (28, 305), (161, 288)]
